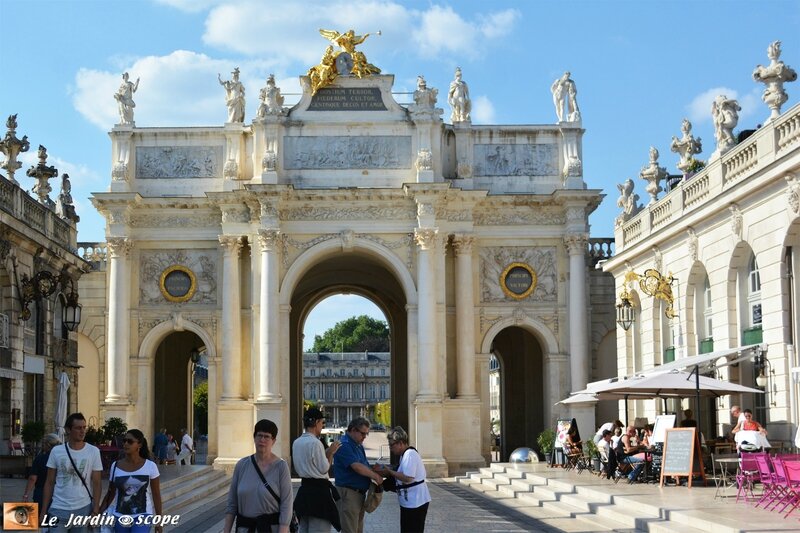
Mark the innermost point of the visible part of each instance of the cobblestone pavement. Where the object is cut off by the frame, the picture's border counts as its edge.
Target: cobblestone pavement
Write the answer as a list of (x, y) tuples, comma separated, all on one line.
[(453, 508)]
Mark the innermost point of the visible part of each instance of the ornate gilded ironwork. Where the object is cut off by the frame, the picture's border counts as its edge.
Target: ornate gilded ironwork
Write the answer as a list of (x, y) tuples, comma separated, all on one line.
[(655, 284), (346, 62)]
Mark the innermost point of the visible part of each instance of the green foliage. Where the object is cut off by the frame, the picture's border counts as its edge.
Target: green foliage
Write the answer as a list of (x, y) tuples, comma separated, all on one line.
[(114, 427), (695, 165), (590, 449), (94, 435), (383, 413), (546, 440), (33, 431), (200, 402), (355, 334)]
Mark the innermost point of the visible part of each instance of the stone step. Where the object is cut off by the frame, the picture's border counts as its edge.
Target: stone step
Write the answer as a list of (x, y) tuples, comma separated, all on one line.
[(197, 490), (662, 526), (189, 483)]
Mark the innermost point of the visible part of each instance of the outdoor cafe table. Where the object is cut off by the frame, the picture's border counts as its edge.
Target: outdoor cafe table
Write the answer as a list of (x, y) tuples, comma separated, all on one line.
[(753, 437), (728, 468)]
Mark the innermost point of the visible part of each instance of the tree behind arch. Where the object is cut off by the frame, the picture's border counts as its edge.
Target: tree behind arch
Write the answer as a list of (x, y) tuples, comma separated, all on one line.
[(355, 334)]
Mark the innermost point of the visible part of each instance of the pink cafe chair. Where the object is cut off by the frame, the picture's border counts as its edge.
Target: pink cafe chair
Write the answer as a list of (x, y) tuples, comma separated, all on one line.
[(748, 475), (792, 469)]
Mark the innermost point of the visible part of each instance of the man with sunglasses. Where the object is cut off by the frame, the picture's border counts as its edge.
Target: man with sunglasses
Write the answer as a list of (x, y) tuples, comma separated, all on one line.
[(73, 479), (353, 475)]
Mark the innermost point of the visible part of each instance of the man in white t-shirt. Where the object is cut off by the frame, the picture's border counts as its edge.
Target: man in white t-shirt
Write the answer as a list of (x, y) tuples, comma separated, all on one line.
[(73, 479), (736, 412), (187, 447)]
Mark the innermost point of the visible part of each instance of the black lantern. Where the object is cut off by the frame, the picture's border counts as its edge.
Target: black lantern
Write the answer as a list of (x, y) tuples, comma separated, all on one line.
[(71, 311), (194, 356), (626, 312)]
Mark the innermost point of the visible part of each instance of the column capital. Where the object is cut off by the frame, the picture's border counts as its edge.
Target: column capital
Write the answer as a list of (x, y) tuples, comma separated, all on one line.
[(463, 242), (576, 243), (119, 247), (232, 244), (269, 239), (426, 237)]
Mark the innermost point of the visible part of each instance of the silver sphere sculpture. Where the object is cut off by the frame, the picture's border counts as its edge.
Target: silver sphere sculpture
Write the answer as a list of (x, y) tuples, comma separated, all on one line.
[(524, 455)]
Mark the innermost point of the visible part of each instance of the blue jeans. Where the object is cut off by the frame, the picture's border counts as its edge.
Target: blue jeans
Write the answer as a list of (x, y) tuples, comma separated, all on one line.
[(633, 460), (64, 515), (136, 528)]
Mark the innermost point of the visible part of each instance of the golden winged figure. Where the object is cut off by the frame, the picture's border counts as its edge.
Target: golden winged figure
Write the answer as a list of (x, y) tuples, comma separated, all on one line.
[(347, 41)]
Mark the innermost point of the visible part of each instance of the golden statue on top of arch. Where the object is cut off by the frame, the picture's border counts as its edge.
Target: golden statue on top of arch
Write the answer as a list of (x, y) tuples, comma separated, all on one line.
[(346, 62)]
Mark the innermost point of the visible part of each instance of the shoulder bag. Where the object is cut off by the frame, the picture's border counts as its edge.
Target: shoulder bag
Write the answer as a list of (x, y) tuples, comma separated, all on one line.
[(294, 523)]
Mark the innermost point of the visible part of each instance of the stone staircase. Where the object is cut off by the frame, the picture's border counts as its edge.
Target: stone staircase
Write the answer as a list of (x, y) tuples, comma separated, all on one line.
[(585, 502), (193, 490)]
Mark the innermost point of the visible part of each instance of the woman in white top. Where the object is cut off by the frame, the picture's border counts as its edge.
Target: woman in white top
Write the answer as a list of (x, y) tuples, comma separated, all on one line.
[(412, 491), (133, 486)]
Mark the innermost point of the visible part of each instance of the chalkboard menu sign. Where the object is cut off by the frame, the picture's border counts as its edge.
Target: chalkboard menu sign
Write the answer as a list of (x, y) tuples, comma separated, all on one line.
[(681, 454), (518, 280), (178, 284)]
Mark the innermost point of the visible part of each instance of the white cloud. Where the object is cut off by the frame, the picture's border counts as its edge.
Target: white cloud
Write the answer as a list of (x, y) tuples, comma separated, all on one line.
[(483, 110), (700, 107), (180, 88), (290, 33)]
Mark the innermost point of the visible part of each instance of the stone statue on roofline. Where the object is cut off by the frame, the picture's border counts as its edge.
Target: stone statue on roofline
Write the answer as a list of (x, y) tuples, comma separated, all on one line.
[(458, 98), (234, 96), (774, 76), (271, 99), (653, 174), (124, 98), (628, 201), (346, 62), (687, 147), (565, 95), (64, 206), (725, 113), (424, 106), (11, 147)]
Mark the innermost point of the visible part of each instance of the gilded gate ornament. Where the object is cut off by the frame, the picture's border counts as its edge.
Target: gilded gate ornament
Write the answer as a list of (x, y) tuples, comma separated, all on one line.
[(346, 62)]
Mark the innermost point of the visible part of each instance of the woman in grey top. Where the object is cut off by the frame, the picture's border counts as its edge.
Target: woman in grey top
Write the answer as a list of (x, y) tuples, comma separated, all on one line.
[(250, 503)]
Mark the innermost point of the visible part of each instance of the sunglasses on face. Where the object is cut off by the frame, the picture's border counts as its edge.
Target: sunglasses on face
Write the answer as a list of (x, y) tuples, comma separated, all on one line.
[(130, 441)]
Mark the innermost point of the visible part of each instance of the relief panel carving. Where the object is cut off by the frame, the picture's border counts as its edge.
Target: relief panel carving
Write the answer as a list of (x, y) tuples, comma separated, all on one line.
[(541, 259), (309, 212), (158, 162), (203, 263), (516, 160), (331, 152)]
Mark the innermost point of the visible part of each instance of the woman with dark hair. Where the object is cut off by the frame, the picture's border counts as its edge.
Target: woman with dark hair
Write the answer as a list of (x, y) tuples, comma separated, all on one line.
[(260, 497), (133, 485), (412, 491), (574, 436), (38, 474)]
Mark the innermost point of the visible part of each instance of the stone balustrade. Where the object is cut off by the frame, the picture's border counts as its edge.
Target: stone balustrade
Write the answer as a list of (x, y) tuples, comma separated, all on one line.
[(96, 253), (764, 147), (600, 249), (17, 203)]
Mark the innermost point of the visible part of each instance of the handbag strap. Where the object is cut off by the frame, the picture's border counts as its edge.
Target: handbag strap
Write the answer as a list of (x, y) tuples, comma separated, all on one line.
[(78, 472), (264, 480)]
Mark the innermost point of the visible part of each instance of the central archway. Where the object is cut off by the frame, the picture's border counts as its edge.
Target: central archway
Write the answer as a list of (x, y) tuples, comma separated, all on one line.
[(355, 272)]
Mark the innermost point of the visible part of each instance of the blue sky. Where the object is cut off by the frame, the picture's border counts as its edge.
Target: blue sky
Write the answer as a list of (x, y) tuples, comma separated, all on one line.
[(640, 67)]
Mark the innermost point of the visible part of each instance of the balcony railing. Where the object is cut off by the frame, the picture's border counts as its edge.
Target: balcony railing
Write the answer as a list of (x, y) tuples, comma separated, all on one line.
[(96, 253), (718, 177), (17, 203)]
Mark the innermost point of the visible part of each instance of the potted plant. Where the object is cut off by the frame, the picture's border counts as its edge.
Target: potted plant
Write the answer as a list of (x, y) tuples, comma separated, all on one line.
[(113, 428), (590, 450), (94, 435), (32, 434), (546, 440)]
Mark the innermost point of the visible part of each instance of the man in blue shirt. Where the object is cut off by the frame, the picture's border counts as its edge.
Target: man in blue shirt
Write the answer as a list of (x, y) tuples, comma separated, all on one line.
[(353, 476)]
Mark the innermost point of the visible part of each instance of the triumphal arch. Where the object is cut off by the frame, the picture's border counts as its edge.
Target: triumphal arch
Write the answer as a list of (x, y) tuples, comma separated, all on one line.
[(472, 239)]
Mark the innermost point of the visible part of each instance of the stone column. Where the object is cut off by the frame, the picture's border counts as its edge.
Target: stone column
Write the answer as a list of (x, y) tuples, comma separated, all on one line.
[(426, 280), (231, 318), (465, 316), (269, 240), (578, 331), (118, 326)]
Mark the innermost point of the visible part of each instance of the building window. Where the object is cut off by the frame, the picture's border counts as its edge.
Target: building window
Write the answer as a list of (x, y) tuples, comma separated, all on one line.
[(312, 372), (751, 333), (705, 327)]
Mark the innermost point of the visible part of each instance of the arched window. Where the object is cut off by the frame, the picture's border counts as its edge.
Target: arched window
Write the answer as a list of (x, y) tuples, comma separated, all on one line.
[(751, 333)]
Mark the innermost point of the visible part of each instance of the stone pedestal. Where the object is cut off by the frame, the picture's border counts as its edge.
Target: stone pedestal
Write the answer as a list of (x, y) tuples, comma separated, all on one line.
[(235, 428), (278, 412), (461, 419), (429, 437)]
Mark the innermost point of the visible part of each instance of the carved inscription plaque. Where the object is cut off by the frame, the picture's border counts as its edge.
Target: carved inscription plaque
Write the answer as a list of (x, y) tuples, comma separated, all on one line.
[(331, 152), (347, 99), (516, 160), (159, 162)]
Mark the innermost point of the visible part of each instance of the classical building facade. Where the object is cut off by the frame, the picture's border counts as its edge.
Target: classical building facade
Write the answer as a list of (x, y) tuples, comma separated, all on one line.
[(729, 235), (472, 239), (39, 270), (347, 385)]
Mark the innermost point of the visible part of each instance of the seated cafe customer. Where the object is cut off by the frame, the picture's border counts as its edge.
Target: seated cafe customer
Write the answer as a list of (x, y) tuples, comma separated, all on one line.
[(749, 424), (628, 452)]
